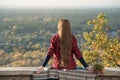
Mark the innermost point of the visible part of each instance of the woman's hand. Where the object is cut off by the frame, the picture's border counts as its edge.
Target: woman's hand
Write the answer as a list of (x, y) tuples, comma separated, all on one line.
[(89, 68), (40, 69)]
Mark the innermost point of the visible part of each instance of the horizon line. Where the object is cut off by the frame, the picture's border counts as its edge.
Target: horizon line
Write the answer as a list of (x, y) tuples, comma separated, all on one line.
[(58, 7)]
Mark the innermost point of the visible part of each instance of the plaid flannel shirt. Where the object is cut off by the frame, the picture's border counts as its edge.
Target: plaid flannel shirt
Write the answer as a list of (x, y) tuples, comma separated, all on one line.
[(54, 51)]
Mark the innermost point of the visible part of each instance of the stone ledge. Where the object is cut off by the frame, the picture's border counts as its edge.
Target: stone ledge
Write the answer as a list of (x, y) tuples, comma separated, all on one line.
[(31, 70), (113, 73)]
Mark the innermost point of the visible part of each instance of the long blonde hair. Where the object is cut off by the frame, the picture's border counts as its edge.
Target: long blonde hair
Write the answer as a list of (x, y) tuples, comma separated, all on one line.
[(64, 33)]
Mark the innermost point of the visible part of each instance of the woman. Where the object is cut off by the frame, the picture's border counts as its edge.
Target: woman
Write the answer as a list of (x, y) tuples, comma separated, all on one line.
[(63, 46)]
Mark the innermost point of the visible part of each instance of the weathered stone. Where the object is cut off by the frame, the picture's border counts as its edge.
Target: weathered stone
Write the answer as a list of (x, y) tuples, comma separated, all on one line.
[(29, 73)]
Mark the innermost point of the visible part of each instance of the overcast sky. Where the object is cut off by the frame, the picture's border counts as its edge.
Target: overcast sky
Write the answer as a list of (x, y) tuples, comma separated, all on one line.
[(58, 3)]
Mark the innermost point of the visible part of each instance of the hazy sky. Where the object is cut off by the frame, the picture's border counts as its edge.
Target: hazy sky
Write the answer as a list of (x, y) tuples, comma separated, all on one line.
[(58, 3)]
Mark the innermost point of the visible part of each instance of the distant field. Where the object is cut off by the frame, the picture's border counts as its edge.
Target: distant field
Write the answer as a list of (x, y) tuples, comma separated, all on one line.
[(25, 34), (35, 27)]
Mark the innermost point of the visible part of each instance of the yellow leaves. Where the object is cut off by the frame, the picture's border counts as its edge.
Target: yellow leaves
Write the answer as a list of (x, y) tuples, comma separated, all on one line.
[(102, 55), (89, 23), (108, 65), (17, 56), (99, 23), (106, 21), (94, 44), (109, 57), (36, 62), (16, 59), (23, 62), (94, 21), (2, 52), (98, 66), (85, 34), (91, 34), (98, 39), (37, 46), (114, 45), (115, 40), (36, 55), (97, 36), (118, 62), (20, 63), (26, 55), (16, 64), (101, 15)]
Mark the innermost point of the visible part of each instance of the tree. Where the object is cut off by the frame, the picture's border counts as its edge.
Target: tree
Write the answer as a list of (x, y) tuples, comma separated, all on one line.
[(99, 44)]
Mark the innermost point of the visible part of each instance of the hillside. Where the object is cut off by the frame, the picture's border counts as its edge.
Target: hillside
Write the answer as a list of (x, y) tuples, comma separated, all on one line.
[(24, 34)]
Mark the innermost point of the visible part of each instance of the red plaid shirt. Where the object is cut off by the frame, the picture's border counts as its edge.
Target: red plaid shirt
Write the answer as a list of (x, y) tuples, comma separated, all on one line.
[(54, 51)]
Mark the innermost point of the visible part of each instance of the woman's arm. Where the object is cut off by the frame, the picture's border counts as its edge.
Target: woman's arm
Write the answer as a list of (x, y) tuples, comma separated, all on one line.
[(78, 54), (41, 68), (83, 62), (46, 60), (51, 50)]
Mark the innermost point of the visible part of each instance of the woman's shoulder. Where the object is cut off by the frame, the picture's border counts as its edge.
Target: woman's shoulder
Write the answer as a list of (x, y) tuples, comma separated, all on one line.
[(55, 37), (73, 38)]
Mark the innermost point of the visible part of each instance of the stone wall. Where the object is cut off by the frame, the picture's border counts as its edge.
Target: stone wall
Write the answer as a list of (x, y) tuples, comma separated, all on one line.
[(29, 73)]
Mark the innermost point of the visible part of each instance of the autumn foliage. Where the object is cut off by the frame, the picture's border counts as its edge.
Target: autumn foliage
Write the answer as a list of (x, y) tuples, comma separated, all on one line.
[(98, 44), (21, 59)]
